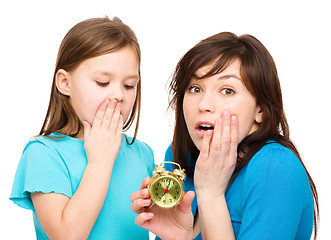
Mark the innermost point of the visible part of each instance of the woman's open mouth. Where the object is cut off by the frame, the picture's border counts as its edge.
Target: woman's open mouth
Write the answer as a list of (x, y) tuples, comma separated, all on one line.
[(202, 126)]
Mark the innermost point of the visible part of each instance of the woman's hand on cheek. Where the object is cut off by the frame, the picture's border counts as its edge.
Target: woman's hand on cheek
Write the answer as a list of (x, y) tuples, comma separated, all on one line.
[(217, 159), (102, 140)]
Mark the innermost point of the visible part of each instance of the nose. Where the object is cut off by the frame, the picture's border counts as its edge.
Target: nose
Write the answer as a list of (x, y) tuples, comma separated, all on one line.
[(116, 93), (207, 103)]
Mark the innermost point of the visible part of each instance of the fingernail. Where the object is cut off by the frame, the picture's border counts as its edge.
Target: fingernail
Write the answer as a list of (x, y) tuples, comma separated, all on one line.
[(146, 202), (145, 193), (226, 115), (234, 119), (150, 214)]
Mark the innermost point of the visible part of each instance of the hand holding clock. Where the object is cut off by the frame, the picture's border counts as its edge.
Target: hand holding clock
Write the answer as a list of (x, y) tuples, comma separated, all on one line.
[(163, 222)]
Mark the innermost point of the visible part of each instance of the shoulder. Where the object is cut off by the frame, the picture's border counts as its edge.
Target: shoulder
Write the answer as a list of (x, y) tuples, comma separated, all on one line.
[(138, 150), (49, 144), (39, 144), (277, 166), (136, 145), (168, 154), (278, 157)]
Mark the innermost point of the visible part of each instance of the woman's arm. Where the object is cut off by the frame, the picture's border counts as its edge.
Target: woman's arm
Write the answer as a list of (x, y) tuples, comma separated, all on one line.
[(65, 218), (214, 167)]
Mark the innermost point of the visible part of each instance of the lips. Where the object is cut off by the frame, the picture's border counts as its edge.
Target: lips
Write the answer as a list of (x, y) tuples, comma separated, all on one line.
[(202, 126)]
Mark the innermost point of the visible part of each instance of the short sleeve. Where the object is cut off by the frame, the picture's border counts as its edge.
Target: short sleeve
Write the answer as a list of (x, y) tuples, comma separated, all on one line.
[(275, 193), (41, 169)]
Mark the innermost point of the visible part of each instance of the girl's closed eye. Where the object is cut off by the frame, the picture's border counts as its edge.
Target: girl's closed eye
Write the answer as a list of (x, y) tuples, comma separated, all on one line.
[(194, 89), (102, 84), (129, 86)]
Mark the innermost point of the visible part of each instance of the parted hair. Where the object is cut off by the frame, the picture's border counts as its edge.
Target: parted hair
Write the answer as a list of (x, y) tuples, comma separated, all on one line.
[(87, 39), (259, 75)]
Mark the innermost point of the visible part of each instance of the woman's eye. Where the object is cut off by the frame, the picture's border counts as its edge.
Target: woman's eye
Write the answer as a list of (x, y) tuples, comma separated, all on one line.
[(227, 91), (194, 89), (102, 84)]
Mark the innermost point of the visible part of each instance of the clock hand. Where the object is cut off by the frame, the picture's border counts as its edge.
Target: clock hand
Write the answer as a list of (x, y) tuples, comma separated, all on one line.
[(166, 191)]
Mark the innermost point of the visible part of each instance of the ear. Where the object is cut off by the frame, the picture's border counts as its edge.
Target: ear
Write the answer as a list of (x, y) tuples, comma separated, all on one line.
[(259, 115), (62, 82)]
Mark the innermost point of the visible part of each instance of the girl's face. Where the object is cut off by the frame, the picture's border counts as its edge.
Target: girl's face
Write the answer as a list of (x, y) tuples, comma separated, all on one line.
[(114, 76), (206, 100)]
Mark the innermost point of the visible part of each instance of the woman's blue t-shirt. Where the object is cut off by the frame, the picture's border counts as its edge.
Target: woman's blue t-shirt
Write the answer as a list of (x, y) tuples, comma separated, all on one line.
[(57, 165), (270, 198)]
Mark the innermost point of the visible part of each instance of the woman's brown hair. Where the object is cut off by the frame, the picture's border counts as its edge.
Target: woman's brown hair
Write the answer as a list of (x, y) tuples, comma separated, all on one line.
[(260, 77), (88, 39)]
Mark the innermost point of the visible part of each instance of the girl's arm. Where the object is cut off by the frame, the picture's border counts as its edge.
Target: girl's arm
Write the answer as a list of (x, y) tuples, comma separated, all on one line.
[(214, 167), (65, 218)]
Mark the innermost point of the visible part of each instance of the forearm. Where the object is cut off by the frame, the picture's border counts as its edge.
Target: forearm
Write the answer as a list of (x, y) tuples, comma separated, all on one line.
[(73, 218), (82, 210), (214, 218)]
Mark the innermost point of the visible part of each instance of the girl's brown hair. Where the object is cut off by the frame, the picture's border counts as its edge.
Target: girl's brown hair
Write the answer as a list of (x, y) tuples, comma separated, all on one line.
[(88, 39), (259, 74)]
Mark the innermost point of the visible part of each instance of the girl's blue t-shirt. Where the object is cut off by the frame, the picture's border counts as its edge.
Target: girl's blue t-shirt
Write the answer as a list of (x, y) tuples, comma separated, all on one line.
[(57, 165), (269, 199)]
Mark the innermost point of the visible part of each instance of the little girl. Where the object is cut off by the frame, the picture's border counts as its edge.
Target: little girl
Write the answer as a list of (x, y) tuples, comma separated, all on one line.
[(232, 137), (78, 174)]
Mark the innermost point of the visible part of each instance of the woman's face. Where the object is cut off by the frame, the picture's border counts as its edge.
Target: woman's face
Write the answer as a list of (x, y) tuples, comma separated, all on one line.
[(206, 100)]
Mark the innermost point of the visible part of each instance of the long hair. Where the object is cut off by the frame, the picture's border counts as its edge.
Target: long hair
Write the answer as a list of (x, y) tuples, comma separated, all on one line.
[(259, 75), (87, 39)]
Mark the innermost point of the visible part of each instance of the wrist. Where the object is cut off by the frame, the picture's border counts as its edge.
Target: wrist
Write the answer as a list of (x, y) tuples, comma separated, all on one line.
[(101, 166), (186, 236), (209, 199)]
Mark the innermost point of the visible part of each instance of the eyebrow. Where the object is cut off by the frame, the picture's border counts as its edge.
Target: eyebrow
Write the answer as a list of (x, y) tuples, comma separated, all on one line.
[(135, 76), (229, 76), (224, 77)]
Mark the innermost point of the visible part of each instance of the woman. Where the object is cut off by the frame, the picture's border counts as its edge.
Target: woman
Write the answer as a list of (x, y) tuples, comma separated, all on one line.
[(232, 137)]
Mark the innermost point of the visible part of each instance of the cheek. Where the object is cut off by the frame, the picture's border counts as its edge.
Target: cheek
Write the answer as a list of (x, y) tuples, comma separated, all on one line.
[(247, 125), (127, 107), (187, 110), (91, 107)]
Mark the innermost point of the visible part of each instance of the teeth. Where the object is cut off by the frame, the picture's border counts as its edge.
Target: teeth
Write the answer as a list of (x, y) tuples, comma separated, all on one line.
[(205, 125)]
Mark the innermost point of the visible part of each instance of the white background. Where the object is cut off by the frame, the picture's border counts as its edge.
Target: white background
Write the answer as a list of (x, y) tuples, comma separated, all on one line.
[(297, 34)]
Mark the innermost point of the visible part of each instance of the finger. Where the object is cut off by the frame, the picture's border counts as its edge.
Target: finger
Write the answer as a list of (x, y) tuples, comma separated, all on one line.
[(139, 205), (216, 143), (142, 219), (185, 204), (87, 129), (109, 113), (145, 182), (225, 134), (205, 144), (115, 118), (234, 138), (100, 113), (141, 194), (119, 129)]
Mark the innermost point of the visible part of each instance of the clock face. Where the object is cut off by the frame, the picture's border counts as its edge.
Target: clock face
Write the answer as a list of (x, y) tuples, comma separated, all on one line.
[(166, 191)]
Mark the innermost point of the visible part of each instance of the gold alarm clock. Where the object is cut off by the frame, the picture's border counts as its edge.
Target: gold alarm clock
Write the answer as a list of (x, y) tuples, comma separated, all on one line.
[(165, 187)]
